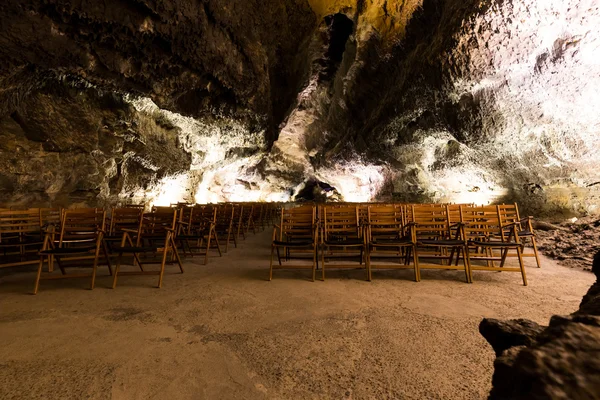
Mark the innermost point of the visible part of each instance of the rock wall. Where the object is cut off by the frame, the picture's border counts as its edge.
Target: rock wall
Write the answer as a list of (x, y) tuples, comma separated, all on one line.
[(71, 144), (422, 100)]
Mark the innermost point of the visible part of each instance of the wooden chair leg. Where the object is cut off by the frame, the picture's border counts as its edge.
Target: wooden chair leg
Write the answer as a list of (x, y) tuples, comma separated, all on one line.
[(323, 265), (39, 275), (520, 255), (207, 249), (106, 256), (271, 265), (175, 254), (314, 268), (278, 256), (162, 267), (535, 252), (368, 262), (467, 264), (416, 261), (117, 268), (218, 245)]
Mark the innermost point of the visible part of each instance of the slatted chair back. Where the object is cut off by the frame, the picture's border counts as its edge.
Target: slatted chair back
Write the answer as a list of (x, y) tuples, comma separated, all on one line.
[(51, 216), (237, 223), (156, 224), (162, 208), (80, 226), (340, 223), (125, 218), (247, 219), (200, 217), (431, 221), (385, 222), (138, 206), (297, 223), (224, 224), (481, 223), (20, 235), (508, 213)]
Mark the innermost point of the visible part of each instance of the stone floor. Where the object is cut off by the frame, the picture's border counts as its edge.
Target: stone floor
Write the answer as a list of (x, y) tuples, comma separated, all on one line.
[(222, 331)]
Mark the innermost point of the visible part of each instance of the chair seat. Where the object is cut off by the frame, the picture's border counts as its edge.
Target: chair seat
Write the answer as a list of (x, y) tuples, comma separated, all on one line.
[(345, 242), (198, 236), (406, 240), (133, 249), (26, 242), (442, 242), (293, 243), (493, 244), (67, 250)]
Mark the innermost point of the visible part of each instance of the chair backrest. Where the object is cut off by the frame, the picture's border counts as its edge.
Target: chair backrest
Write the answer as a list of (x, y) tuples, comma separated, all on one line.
[(16, 223), (51, 216), (298, 223), (454, 213), (480, 222), (385, 221), (125, 218), (509, 213), (224, 217), (340, 222), (159, 222), (200, 217), (431, 221), (81, 225)]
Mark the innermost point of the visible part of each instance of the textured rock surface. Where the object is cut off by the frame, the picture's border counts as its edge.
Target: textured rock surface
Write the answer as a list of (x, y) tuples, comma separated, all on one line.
[(414, 100), (559, 362)]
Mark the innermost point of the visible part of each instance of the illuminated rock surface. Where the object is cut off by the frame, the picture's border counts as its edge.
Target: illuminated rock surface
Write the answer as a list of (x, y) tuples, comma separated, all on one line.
[(464, 101)]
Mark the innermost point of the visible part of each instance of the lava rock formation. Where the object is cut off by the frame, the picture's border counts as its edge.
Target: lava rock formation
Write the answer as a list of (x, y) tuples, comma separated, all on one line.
[(560, 361)]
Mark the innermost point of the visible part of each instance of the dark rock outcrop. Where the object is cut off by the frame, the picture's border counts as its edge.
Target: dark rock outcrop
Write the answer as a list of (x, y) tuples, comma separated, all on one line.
[(561, 361)]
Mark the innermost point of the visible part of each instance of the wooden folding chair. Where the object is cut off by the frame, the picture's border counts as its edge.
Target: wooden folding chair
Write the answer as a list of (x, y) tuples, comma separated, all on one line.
[(21, 237), (297, 231), (388, 236), (509, 214), (120, 219), (341, 237), (156, 237), (81, 232), (247, 219), (484, 232), (196, 227), (224, 227), (436, 239)]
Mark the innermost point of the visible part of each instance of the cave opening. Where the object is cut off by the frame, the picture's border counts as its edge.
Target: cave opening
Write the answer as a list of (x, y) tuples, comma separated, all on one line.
[(316, 191), (338, 30)]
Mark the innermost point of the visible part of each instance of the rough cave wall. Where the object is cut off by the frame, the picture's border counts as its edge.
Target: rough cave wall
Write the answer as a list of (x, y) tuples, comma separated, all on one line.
[(467, 102), (409, 99), (217, 61)]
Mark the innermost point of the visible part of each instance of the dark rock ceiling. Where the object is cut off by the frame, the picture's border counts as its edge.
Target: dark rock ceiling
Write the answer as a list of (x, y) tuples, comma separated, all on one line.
[(415, 100)]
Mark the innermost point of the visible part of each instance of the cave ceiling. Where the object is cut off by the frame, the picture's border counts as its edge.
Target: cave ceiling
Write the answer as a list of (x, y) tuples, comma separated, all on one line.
[(213, 100)]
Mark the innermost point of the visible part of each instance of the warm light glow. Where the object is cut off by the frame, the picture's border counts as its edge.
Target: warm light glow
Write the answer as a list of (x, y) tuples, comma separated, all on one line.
[(355, 181), (233, 182), (169, 191)]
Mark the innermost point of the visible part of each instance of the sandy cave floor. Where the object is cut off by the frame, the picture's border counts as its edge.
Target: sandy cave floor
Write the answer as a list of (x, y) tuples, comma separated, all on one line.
[(222, 331)]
